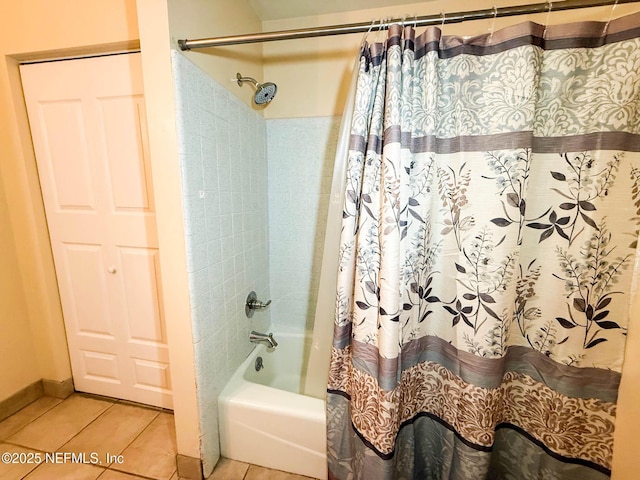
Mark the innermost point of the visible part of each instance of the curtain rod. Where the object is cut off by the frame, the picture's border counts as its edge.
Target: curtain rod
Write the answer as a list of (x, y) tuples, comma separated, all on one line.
[(439, 19)]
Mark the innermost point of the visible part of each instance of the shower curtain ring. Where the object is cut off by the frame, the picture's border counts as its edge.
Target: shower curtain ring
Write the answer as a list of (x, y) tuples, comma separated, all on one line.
[(493, 24), (444, 17), (385, 26), (546, 23), (380, 26), (606, 26), (366, 35)]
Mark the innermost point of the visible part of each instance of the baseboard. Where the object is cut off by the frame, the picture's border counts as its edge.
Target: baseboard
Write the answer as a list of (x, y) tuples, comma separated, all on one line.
[(189, 467), (57, 389), (31, 393), (20, 399)]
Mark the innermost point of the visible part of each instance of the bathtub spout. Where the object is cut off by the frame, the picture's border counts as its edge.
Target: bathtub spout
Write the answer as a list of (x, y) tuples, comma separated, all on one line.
[(256, 337)]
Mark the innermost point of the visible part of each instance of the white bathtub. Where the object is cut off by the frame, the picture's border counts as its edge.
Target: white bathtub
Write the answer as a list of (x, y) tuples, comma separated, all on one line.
[(263, 418)]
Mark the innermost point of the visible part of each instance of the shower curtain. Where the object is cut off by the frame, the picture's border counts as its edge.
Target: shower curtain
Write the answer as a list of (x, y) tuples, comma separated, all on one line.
[(492, 206)]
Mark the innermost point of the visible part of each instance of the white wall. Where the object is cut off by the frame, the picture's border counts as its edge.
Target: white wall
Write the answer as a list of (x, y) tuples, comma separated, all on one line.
[(19, 367), (165, 168)]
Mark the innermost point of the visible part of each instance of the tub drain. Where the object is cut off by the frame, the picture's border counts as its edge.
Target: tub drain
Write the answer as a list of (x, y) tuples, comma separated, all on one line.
[(259, 364)]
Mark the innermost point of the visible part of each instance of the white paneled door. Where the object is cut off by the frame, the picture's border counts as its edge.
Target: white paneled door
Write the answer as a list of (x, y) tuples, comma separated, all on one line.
[(89, 132)]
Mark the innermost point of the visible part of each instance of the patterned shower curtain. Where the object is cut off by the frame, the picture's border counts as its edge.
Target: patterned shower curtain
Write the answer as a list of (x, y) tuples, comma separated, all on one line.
[(492, 207)]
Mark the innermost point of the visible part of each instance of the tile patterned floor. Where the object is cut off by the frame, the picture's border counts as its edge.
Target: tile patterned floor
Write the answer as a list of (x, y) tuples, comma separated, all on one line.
[(144, 438), (231, 470)]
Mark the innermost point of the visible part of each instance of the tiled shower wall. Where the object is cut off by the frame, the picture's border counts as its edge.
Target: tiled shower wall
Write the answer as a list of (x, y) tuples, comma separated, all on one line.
[(224, 186), (300, 154)]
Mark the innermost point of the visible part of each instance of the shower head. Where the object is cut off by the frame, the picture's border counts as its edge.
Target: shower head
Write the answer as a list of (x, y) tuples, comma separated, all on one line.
[(264, 91)]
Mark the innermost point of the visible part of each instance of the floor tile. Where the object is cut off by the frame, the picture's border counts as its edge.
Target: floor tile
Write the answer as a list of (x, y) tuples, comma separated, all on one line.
[(56, 427), (18, 469), (144, 437), (227, 469), (111, 432), (65, 471), (261, 473), (153, 453), (18, 420), (113, 475)]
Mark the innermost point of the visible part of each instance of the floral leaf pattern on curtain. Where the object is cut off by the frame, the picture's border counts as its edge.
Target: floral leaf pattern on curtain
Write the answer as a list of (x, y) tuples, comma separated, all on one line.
[(511, 172), (581, 187), (486, 254)]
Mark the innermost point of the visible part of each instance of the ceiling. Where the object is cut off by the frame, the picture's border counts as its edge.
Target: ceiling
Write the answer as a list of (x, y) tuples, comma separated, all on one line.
[(278, 9)]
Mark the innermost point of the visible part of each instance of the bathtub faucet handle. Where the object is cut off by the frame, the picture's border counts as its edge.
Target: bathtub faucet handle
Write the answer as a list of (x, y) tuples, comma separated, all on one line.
[(258, 305), (254, 304)]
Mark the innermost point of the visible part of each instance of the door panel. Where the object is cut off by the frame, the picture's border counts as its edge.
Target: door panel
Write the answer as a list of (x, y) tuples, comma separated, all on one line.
[(63, 125), (151, 375), (140, 273), (100, 367), (86, 289), (122, 121), (89, 133)]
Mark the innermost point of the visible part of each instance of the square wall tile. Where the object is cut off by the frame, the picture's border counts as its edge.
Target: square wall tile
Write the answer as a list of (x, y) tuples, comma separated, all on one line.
[(297, 234), (224, 167)]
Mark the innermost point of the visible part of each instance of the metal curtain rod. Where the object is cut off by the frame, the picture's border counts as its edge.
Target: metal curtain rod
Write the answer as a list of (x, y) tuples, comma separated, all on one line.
[(456, 17)]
